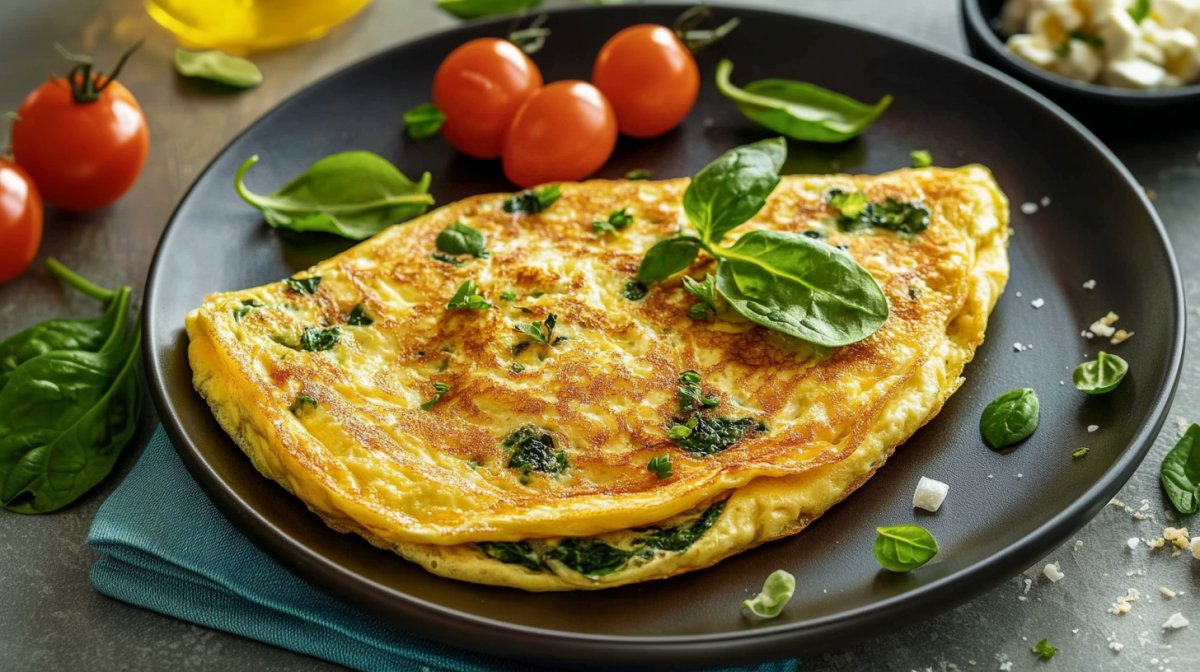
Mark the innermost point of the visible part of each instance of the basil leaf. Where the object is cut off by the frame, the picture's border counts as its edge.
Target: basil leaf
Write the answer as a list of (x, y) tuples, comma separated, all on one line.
[(795, 285), (65, 416), (732, 189), (1011, 417), (304, 285), (542, 332), (423, 121), (315, 339), (1100, 375), (1139, 10), (358, 317), (458, 238), (921, 158), (800, 110), (468, 296), (660, 466), (351, 194), (667, 258), (776, 592), (438, 390), (1044, 649), (1180, 472), (474, 9), (218, 66), (510, 297), (704, 290), (531, 202), (903, 548)]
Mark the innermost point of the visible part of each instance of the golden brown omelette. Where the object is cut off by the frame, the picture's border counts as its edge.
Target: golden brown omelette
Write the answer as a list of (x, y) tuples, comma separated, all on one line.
[(484, 454)]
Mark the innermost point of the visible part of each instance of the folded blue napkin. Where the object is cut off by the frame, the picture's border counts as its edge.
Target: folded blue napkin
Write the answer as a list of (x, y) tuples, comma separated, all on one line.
[(181, 557)]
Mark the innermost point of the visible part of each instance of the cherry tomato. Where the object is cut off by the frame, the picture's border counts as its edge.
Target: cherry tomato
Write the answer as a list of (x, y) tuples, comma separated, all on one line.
[(564, 132), (479, 87), (650, 78), (20, 220)]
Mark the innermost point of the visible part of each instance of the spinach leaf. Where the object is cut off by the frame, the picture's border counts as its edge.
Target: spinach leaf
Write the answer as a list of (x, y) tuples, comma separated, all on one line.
[(732, 189), (248, 306), (358, 317), (468, 296), (218, 66), (667, 258), (304, 285), (531, 202), (1100, 375), (474, 9), (776, 592), (1180, 472), (438, 390), (709, 436), (921, 158), (691, 397), (705, 290), (638, 174), (903, 548), (795, 285), (542, 332), (1044, 649), (1139, 10), (423, 121), (302, 402), (617, 220), (513, 553), (1010, 418), (458, 238), (800, 110), (316, 339), (65, 416), (531, 449), (589, 557), (351, 194), (679, 539), (635, 291), (858, 213), (510, 297), (660, 466)]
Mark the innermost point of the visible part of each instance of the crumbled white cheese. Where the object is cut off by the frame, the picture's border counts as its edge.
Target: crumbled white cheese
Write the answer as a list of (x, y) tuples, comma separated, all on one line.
[(1125, 602), (1177, 536), (1196, 548), (1052, 572), (1175, 622), (1166, 591), (1092, 428), (1120, 337), (1116, 646), (1133, 543), (1045, 201), (1006, 666), (929, 494), (1030, 207), (1090, 284), (1019, 348), (1078, 545), (1038, 303)]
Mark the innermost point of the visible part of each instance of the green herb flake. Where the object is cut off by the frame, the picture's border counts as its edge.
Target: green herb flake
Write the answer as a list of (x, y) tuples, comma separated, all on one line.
[(708, 436), (858, 213), (660, 466), (532, 449), (776, 592), (1180, 472), (302, 402), (358, 317), (1010, 418), (1139, 10), (510, 297), (1100, 375), (1091, 39), (638, 174), (691, 397), (903, 548), (921, 158), (635, 291), (423, 121), (1044, 649), (315, 339), (541, 331), (218, 66), (1079, 452), (533, 201), (438, 390), (679, 539), (248, 306), (458, 238), (617, 220), (1063, 50), (591, 558), (513, 553), (446, 259), (304, 285), (518, 367), (468, 296)]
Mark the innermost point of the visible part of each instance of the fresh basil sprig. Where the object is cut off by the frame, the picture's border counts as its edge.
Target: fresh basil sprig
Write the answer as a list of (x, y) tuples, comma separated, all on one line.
[(358, 317), (705, 290), (316, 339), (542, 331), (458, 238), (776, 592), (474, 9), (423, 121), (787, 282), (800, 110), (468, 296), (1180, 472), (351, 194), (660, 466), (218, 66), (617, 220), (1010, 418), (1100, 375), (532, 201), (903, 548), (304, 285), (66, 413)]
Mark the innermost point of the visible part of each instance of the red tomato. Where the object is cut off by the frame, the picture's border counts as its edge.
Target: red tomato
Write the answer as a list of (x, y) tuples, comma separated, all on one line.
[(650, 78), (82, 156), (479, 87), (564, 132), (20, 220)]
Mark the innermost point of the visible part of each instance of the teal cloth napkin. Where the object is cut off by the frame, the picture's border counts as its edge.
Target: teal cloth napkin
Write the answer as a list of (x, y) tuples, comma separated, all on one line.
[(165, 546)]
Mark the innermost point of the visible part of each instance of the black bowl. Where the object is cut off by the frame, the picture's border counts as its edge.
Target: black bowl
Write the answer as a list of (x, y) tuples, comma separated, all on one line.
[(1093, 104)]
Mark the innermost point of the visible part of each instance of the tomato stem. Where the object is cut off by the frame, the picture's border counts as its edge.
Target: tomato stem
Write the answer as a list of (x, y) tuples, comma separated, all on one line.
[(83, 81), (72, 279)]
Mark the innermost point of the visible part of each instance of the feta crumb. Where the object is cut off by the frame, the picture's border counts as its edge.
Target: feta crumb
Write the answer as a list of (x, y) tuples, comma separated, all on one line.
[(1196, 548), (1177, 536), (1138, 516), (1019, 348), (1117, 503), (1028, 585), (1052, 572), (1006, 666), (1029, 208), (1132, 543), (1038, 303), (1087, 334), (1116, 646), (1102, 327), (1090, 284), (1125, 602), (1157, 543), (1078, 545), (1175, 622), (1145, 505), (1092, 428), (1045, 201), (929, 494), (1018, 295), (1167, 591), (1120, 337)]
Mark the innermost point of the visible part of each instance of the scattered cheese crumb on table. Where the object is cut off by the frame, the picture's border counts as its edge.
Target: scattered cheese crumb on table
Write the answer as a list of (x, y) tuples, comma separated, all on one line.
[(1092, 428), (1029, 207), (1038, 303), (1167, 591), (1052, 572), (1132, 543), (1175, 622)]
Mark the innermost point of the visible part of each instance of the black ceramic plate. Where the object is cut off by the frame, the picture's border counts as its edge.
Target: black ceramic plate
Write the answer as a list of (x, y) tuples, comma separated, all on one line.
[(1004, 511)]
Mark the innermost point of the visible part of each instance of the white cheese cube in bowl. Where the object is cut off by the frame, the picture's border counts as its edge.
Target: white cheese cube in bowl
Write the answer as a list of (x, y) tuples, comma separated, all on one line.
[(1133, 73), (1033, 48), (1068, 15), (1082, 62), (1042, 22), (930, 494), (1174, 13), (1120, 34)]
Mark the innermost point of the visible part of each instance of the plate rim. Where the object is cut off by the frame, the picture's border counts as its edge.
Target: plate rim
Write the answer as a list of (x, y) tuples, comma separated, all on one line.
[(765, 642)]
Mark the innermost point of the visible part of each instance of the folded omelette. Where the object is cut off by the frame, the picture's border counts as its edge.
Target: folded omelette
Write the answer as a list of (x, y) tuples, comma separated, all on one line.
[(463, 444)]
